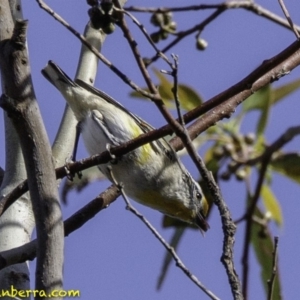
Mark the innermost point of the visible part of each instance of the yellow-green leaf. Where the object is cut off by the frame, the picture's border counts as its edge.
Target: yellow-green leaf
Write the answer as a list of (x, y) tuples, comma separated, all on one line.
[(188, 97), (281, 92), (165, 86), (261, 100), (271, 204)]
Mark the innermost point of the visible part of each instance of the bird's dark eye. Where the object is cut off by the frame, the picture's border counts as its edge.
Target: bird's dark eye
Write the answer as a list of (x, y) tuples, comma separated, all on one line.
[(198, 195)]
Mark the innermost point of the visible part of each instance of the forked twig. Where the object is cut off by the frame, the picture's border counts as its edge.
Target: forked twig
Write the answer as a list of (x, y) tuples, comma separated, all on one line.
[(289, 19)]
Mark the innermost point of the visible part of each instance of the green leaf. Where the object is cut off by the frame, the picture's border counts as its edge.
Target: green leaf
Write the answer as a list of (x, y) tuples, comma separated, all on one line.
[(281, 92), (188, 97), (262, 123), (261, 100), (287, 164), (165, 87), (178, 233), (264, 98), (211, 162), (263, 247), (271, 204)]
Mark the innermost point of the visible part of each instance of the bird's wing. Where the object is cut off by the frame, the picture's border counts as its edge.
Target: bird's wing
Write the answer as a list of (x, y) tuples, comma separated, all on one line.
[(158, 145)]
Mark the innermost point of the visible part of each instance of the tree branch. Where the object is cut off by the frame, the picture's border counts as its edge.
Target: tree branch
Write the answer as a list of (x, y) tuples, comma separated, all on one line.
[(222, 106), (83, 40), (23, 110), (78, 219), (17, 223), (219, 8), (170, 249)]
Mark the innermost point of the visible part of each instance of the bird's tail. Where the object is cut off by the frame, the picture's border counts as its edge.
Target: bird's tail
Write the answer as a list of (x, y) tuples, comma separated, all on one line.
[(57, 76)]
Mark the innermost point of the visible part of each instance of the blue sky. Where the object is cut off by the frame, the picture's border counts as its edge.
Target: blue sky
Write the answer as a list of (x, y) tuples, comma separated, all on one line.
[(115, 256)]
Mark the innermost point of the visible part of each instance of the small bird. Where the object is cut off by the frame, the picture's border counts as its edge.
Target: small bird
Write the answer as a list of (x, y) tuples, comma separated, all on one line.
[(152, 174)]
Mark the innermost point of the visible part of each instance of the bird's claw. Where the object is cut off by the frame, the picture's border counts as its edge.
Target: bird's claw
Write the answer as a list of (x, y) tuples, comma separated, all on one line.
[(114, 159), (71, 175)]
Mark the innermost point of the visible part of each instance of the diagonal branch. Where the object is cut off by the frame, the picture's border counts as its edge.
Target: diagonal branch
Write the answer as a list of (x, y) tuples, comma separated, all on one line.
[(221, 106), (78, 219)]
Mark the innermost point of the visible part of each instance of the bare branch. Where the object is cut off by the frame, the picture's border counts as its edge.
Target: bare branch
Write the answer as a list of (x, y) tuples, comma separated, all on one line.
[(219, 8), (180, 131), (223, 105), (18, 222), (157, 99), (182, 34), (78, 219), (248, 5), (283, 139), (174, 9), (143, 29), (227, 257), (114, 69), (289, 19), (229, 227)]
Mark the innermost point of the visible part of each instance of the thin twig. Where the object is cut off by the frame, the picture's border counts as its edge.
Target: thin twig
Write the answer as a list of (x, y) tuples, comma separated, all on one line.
[(83, 40), (175, 91), (220, 8), (145, 33), (176, 126), (170, 249), (283, 139), (153, 89), (289, 19), (182, 34), (249, 223), (248, 5), (173, 9), (223, 104), (228, 225), (151, 86), (271, 281)]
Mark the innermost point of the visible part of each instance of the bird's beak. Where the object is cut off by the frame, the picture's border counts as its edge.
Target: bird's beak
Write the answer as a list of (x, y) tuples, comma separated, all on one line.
[(201, 222)]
